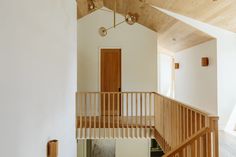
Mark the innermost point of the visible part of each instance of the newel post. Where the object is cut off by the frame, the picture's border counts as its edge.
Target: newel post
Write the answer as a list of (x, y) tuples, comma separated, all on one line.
[(213, 124)]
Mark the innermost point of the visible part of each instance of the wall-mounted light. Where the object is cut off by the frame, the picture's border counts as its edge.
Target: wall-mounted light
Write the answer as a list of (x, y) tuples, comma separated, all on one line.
[(52, 148), (176, 65), (205, 61)]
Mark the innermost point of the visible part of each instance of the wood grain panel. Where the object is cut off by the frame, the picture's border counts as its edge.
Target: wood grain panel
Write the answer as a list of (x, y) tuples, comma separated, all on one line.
[(82, 7), (173, 34), (111, 78), (216, 12)]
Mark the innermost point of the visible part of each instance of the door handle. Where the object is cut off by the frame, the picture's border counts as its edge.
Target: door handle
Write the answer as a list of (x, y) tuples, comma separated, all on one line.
[(119, 89)]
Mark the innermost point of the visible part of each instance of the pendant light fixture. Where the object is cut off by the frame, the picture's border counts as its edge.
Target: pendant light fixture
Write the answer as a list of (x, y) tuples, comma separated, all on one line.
[(91, 5), (129, 19), (102, 31)]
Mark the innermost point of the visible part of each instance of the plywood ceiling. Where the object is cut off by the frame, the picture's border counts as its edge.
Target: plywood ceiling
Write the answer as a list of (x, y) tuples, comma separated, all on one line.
[(82, 7), (173, 35), (220, 13)]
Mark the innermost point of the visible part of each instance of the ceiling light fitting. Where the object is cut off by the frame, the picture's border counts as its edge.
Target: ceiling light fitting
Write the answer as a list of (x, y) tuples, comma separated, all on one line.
[(129, 19), (91, 5)]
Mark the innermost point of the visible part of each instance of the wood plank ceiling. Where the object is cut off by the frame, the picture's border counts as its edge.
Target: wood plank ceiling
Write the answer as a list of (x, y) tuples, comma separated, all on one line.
[(220, 13), (82, 7), (173, 34)]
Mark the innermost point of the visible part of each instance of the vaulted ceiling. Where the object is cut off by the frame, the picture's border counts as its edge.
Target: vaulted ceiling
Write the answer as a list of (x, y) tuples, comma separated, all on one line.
[(174, 35), (220, 13)]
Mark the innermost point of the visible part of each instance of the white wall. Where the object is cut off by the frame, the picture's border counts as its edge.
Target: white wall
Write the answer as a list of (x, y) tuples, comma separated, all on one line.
[(132, 148), (166, 75), (226, 64), (139, 52), (194, 84), (37, 77)]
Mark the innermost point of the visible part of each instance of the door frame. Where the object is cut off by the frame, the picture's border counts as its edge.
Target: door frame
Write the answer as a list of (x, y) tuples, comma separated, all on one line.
[(99, 66)]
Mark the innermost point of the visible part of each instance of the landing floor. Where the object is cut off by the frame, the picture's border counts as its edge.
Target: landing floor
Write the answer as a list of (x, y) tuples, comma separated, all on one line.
[(227, 145)]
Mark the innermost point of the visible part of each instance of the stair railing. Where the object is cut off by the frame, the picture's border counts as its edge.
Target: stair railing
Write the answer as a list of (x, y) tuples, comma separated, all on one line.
[(115, 115), (178, 127)]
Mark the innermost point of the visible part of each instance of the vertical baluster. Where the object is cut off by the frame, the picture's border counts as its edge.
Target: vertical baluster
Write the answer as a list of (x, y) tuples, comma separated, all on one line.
[(187, 123), (150, 114), (85, 111), (183, 130), (141, 114), (173, 122), (104, 113), (205, 152), (81, 112), (168, 129), (136, 114), (122, 114), (95, 115), (186, 127), (195, 131), (193, 149), (145, 116), (198, 140), (180, 124), (118, 115), (177, 134), (90, 114), (174, 104), (191, 123), (113, 114), (184, 123), (127, 115), (216, 138), (200, 121), (109, 115), (164, 119), (202, 142), (132, 115), (201, 147), (195, 122), (99, 113), (181, 154)]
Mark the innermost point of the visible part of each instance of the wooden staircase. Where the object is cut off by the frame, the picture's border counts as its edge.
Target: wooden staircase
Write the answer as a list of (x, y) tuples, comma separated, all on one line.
[(181, 130)]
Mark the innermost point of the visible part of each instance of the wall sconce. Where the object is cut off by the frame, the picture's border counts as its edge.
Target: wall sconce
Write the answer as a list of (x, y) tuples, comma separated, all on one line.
[(205, 61), (52, 148), (176, 65)]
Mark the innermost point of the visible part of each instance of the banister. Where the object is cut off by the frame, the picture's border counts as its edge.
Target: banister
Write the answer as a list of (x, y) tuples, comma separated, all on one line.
[(144, 115), (177, 122), (115, 114), (200, 133), (186, 105)]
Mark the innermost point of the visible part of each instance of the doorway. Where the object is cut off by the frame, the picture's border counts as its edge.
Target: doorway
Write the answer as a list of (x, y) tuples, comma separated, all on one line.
[(110, 80)]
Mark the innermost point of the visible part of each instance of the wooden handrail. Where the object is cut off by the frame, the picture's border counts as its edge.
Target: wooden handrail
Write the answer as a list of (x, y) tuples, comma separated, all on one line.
[(186, 105), (176, 123), (188, 142), (115, 114), (180, 129)]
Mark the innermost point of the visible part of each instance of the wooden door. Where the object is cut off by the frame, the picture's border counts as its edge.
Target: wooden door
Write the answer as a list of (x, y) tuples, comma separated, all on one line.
[(110, 80)]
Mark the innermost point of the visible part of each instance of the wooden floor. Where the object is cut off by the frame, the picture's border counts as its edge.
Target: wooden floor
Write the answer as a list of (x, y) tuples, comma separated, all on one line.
[(227, 145)]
